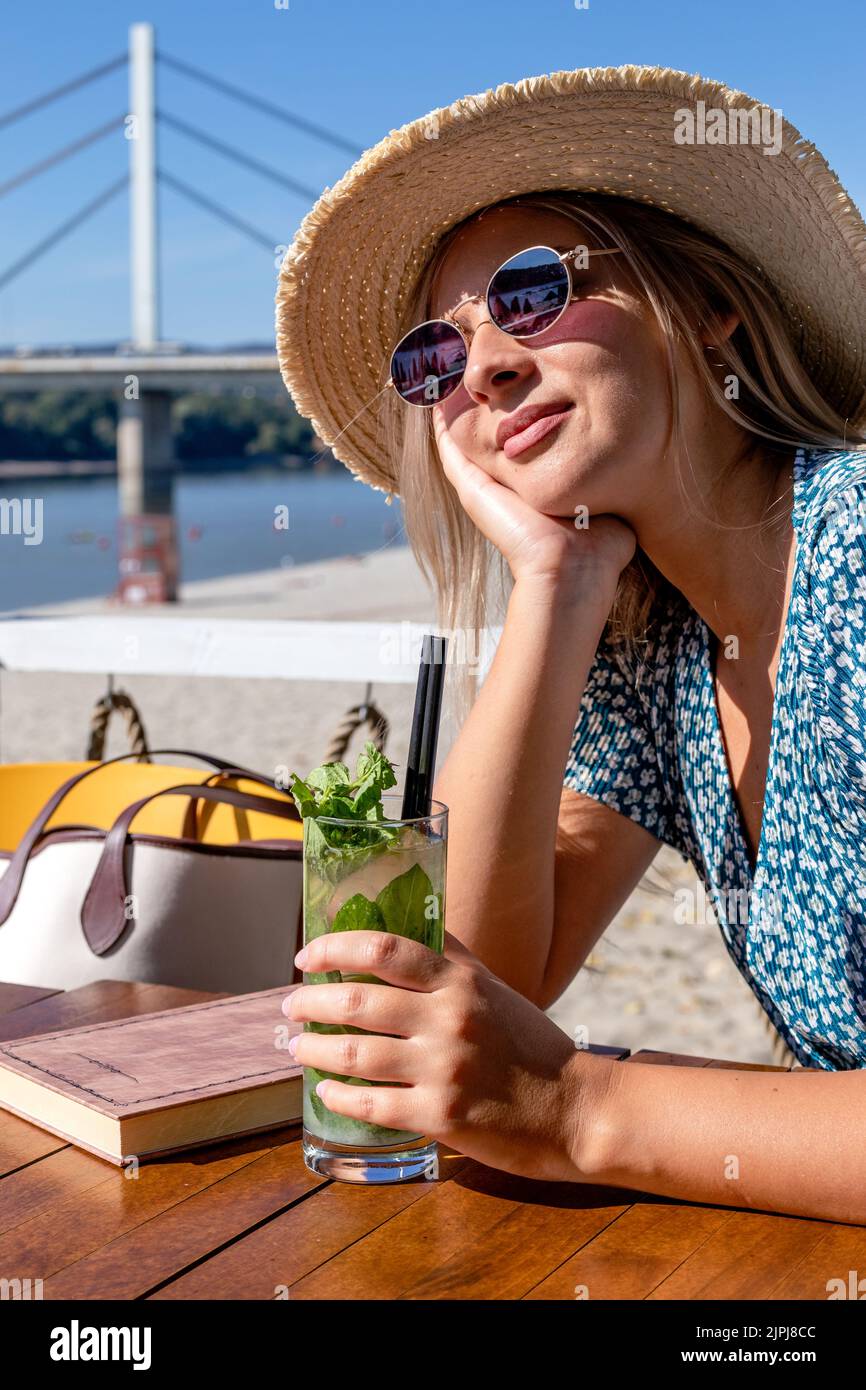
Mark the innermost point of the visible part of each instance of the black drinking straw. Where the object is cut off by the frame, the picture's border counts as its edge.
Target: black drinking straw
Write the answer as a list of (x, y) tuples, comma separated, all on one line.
[(421, 764)]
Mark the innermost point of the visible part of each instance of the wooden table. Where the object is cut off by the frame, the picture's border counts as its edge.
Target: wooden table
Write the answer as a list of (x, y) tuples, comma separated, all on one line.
[(247, 1220)]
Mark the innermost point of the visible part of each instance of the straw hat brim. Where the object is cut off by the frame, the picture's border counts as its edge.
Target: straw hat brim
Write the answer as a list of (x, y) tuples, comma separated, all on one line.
[(345, 280)]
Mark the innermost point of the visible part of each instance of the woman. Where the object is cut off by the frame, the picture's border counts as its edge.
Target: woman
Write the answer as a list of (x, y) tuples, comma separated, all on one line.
[(634, 371)]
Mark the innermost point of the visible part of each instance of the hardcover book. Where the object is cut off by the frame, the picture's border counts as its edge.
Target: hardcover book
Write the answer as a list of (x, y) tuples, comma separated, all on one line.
[(161, 1082)]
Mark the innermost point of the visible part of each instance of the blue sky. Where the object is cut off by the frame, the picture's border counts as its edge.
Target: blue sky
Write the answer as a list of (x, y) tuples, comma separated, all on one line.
[(360, 69)]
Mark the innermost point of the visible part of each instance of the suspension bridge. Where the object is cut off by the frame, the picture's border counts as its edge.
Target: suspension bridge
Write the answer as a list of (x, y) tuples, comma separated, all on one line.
[(144, 371)]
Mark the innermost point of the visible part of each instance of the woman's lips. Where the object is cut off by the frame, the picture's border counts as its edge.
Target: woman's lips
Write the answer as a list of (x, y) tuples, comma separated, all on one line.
[(525, 439)]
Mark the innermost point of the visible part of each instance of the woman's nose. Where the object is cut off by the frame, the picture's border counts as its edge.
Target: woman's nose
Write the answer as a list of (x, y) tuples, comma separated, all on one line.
[(496, 362)]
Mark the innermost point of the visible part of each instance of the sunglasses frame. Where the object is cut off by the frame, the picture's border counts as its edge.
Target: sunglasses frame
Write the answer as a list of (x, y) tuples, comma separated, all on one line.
[(563, 257)]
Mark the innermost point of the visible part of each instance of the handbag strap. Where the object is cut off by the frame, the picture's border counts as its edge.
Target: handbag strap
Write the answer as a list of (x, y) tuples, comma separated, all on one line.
[(189, 830), (103, 912), (10, 883)]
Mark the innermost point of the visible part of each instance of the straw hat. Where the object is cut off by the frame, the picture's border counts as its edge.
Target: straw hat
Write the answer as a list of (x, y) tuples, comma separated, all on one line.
[(346, 277)]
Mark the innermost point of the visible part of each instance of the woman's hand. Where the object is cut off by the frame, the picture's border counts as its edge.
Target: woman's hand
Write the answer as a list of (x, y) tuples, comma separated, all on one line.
[(532, 542), (480, 1068)]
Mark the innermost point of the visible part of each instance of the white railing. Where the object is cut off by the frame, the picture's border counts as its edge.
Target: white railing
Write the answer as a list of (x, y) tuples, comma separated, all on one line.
[(386, 653)]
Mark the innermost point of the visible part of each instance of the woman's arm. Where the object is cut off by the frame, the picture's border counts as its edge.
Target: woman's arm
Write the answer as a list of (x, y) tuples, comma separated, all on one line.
[(511, 826), (791, 1142), (511, 837)]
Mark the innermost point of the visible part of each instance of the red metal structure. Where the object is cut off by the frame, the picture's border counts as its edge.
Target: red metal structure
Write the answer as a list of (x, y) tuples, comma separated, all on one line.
[(147, 559)]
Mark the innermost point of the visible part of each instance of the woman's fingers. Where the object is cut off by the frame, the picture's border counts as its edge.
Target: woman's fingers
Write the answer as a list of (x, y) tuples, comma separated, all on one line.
[(522, 534), (375, 1008), (473, 484), (391, 1107), (396, 959), (457, 466), (351, 1054)]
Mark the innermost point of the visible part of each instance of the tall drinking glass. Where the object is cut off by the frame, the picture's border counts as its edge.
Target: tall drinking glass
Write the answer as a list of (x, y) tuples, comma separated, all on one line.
[(386, 875)]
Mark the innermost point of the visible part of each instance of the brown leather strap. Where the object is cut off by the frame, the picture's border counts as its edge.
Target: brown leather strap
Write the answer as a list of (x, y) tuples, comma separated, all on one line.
[(190, 828), (10, 883), (103, 912)]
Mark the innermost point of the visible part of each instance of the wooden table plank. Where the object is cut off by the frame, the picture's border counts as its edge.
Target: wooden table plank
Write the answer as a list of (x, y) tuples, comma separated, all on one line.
[(22, 1143), (166, 1246), (715, 1064), (99, 1002), (16, 996), (76, 1224), (748, 1257), (546, 1225), (840, 1250), (635, 1253), (279, 1254), (432, 1241), (682, 1059), (33, 1189)]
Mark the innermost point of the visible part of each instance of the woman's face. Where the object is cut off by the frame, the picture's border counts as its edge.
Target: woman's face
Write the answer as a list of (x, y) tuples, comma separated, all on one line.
[(601, 367)]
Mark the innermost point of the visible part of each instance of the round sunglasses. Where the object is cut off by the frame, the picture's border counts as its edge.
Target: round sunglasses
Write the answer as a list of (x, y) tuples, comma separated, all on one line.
[(525, 296)]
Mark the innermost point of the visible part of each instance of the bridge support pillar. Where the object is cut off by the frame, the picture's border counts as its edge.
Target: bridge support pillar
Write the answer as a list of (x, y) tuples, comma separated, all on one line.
[(148, 560), (145, 454)]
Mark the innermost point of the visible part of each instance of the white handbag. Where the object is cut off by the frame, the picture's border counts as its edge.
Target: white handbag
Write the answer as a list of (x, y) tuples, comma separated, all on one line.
[(82, 902)]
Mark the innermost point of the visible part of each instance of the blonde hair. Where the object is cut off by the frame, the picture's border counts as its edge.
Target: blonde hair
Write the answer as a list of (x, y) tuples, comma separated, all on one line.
[(688, 279)]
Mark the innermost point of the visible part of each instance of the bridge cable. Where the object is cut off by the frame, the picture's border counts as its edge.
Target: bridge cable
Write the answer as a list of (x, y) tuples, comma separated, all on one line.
[(223, 213), (238, 156), (60, 155), (260, 104), (56, 92), (49, 242)]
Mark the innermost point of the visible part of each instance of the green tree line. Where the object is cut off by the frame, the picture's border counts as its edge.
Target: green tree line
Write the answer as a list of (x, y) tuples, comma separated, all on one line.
[(78, 425)]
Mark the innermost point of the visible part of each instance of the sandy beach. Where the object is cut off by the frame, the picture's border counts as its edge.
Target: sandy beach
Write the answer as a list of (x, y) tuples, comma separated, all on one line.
[(650, 981)]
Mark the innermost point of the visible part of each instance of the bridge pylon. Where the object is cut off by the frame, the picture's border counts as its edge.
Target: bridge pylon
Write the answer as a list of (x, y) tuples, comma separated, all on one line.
[(145, 451)]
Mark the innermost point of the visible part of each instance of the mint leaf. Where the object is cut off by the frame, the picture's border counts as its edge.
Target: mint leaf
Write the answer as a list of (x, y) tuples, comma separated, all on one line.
[(317, 1104), (313, 1026), (359, 914), (367, 797), (335, 804), (302, 796), (373, 764), (402, 903), (317, 845), (329, 776)]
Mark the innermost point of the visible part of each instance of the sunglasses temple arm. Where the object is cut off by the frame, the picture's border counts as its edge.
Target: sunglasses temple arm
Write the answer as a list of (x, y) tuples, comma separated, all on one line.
[(350, 423)]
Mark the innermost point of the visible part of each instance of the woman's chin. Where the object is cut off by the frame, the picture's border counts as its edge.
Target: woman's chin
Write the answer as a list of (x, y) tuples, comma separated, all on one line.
[(557, 485)]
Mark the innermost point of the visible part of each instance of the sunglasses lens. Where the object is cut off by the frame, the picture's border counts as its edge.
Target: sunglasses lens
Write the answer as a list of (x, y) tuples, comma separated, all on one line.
[(428, 364), (528, 293)]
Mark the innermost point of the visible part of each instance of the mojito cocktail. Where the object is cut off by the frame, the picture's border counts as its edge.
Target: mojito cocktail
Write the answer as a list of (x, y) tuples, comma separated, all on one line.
[(367, 871)]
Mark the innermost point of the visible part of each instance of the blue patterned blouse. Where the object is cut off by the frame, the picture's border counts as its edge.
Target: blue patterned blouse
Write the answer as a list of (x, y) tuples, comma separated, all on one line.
[(648, 743)]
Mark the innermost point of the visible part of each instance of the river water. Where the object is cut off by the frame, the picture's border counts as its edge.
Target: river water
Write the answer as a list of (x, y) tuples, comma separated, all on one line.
[(227, 524)]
